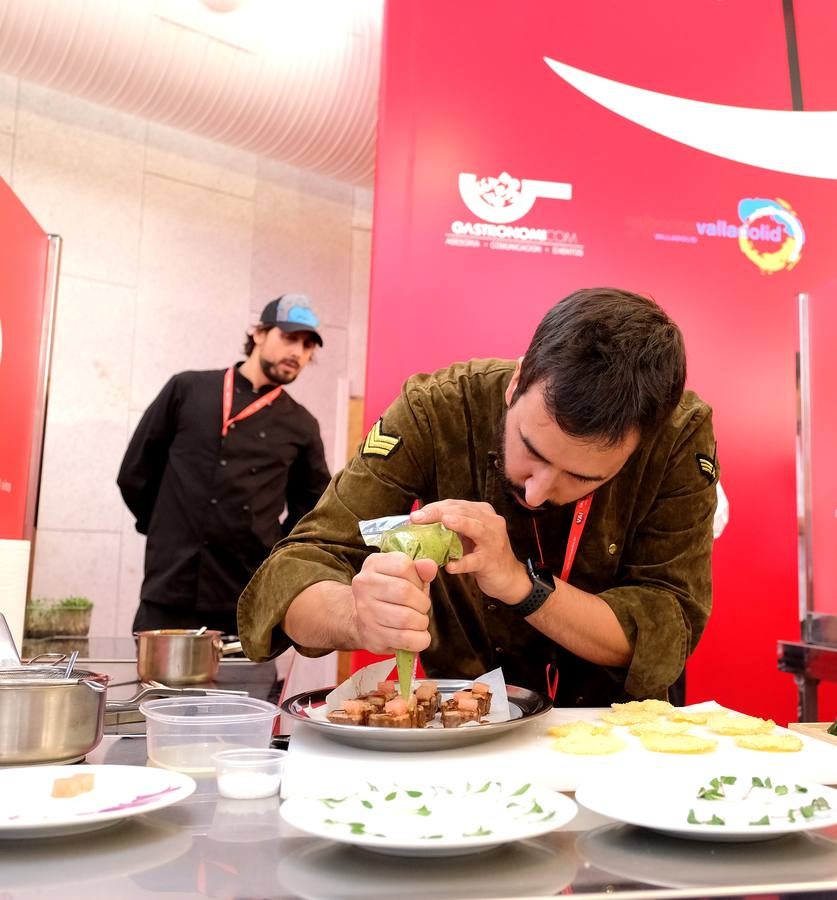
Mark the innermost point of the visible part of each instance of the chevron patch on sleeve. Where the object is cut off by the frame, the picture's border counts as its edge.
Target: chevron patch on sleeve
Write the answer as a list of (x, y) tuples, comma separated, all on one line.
[(706, 467), (379, 444)]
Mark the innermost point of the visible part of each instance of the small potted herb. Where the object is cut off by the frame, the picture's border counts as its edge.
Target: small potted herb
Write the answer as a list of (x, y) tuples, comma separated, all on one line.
[(49, 618)]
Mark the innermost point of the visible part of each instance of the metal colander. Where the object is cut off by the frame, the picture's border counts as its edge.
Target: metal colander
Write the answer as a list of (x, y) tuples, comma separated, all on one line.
[(14, 676)]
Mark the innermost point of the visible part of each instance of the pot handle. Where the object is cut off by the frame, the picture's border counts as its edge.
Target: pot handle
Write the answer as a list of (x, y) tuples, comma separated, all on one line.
[(145, 693)]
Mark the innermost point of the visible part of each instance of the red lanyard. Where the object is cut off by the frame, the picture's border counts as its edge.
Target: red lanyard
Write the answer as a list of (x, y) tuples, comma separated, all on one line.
[(248, 411), (582, 508)]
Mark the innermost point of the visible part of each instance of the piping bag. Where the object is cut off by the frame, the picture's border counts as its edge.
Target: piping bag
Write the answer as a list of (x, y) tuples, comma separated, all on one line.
[(419, 542)]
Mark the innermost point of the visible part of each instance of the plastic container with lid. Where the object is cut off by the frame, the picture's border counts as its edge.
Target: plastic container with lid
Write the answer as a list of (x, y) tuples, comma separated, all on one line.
[(184, 733), (249, 774)]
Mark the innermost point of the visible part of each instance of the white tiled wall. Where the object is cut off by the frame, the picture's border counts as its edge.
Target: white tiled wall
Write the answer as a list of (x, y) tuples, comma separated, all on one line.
[(171, 247)]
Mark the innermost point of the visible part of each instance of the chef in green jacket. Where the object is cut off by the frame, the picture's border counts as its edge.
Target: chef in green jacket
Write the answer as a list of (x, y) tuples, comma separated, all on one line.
[(581, 479)]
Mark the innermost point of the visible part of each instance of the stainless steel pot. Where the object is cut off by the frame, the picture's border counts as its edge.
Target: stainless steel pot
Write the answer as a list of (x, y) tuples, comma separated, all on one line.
[(48, 718), (180, 655), (45, 718)]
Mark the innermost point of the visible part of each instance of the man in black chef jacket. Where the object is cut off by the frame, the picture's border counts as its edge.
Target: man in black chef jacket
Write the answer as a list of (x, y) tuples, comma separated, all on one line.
[(212, 465)]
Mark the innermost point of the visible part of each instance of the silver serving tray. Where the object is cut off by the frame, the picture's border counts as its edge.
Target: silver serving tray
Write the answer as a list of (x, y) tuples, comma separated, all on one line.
[(525, 706)]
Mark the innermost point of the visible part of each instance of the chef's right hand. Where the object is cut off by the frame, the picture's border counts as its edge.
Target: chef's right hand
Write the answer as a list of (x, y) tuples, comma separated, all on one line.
[(392, 606)]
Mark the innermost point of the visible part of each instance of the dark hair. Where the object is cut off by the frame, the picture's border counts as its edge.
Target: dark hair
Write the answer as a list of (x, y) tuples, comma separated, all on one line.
[(249, 343), (609, 361)]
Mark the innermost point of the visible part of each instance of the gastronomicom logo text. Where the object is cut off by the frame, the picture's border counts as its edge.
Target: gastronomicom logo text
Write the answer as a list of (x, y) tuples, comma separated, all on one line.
[(768, 232), (501, 200)]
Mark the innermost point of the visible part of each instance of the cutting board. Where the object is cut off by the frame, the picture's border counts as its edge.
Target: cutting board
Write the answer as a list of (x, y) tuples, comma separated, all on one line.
[(316, 762)]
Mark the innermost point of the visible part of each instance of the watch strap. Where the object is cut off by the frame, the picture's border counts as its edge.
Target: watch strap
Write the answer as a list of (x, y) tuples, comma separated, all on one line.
[(534, 600)]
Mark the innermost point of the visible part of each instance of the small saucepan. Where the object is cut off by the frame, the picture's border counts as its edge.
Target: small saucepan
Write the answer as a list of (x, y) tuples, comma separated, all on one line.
[(49, 716), (180, 655)]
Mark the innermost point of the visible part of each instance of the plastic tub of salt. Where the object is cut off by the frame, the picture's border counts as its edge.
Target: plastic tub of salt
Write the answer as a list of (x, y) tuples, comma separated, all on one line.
[(248, 774)]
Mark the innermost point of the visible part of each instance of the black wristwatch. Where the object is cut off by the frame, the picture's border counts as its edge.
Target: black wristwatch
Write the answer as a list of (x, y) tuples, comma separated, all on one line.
[(543, 584)]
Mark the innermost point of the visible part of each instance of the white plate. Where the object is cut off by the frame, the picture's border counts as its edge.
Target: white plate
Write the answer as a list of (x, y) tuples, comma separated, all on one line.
[(524, 868), (664, 801), (421, 819), (29, 809), (524, 705)]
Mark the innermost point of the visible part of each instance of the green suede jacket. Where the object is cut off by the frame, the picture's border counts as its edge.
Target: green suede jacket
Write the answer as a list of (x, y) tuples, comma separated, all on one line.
[(646, 549)]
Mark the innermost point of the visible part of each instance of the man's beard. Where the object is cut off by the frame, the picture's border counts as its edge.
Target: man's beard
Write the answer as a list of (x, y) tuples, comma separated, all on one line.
[(515, 491), (273, 375)]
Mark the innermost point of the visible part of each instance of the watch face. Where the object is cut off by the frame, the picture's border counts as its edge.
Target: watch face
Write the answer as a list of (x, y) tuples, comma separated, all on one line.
[(540, 575)]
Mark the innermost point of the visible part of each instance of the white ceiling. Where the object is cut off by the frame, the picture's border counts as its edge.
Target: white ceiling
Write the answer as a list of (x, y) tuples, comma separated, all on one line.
[(294, 80)]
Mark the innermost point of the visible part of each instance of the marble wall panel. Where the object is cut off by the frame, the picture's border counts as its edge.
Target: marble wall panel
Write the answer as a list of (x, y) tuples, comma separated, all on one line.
[(7, 144), (87, 405), (194, 160), (8, 102), (81, 563), (131, 562), (194, 283), (78, 170), (302, 240)]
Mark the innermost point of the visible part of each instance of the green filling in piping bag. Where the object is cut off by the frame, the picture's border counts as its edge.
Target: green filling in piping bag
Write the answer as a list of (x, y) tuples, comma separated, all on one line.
[(419, 542)]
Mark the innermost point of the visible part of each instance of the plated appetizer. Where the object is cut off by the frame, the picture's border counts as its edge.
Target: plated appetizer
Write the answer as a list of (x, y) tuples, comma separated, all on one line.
[(386, 708)]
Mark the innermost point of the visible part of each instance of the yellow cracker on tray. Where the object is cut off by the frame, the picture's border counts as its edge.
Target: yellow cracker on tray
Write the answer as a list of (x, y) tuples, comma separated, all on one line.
[(589, 744), (677, 743), (654, 706), (776, 743), (567, 729), (687, 715), (628, 716), (662, 726), (732, 723)]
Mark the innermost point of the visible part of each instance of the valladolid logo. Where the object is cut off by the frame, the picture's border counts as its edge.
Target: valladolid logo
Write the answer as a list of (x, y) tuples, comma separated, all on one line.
[(769, 233), (500, 200)]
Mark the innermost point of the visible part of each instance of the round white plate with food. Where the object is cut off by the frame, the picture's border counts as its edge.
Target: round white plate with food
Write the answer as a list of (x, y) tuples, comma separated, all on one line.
[(425, 819), (30, 809), (714, 804), (524, 707)]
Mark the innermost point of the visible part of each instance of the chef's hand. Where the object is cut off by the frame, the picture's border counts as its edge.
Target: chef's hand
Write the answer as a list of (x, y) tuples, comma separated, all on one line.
[(391, 602), (488, 555)]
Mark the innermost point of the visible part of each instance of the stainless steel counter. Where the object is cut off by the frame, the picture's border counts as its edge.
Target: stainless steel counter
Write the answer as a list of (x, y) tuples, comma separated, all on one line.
[(208, 846)]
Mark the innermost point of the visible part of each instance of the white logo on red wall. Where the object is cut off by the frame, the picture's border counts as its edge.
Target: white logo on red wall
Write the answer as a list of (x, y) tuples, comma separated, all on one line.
[(500, 200)]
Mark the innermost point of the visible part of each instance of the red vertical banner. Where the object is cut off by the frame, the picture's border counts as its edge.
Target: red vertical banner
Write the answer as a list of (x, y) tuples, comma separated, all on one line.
[(23, 265), (574, 145)]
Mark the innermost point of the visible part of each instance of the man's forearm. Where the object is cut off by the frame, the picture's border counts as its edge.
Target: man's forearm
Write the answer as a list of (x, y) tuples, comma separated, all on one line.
[(581, 622), (584, 624), (323, 616)]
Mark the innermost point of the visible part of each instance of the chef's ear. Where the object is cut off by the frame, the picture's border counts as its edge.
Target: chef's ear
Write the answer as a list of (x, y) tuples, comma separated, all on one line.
[(514, 382)]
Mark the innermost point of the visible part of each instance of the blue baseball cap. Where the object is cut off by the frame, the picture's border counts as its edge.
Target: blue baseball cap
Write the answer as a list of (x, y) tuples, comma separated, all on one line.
[(292, 312)]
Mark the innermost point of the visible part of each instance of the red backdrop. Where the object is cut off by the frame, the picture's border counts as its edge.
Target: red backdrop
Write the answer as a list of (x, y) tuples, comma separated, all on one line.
[(22, 276), (465, 90)]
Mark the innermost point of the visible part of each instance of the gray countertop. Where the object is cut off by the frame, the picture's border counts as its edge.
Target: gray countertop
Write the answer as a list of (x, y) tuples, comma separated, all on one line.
[(210, 846)]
